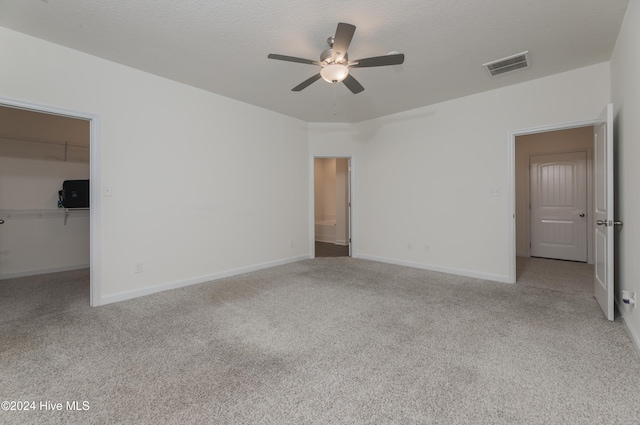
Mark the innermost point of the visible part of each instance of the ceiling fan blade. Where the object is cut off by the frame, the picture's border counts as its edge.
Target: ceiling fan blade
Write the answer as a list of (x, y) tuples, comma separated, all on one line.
[(292, 59), (342, 39), (306, 83), (395, 59), (353, 84)]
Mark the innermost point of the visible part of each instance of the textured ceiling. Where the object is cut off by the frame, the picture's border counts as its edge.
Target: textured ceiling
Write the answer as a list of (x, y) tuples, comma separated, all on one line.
[(222, 45)]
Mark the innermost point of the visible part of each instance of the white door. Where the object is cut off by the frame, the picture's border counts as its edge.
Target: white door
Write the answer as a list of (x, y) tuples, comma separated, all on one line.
[(603, 217), (559, 206)]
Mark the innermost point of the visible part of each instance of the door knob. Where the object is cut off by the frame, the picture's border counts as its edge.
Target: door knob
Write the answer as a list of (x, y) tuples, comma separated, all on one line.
[(1, 221), (581, 214), (601, 222)]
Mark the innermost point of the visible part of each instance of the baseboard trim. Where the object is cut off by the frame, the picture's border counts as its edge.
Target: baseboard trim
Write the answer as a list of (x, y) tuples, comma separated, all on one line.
[(449, 270), (123, 296), (630, 331), (43, 271)]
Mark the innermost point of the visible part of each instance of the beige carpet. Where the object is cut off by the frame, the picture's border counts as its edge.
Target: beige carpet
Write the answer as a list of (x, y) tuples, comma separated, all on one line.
[(323, 341), (568, 276)]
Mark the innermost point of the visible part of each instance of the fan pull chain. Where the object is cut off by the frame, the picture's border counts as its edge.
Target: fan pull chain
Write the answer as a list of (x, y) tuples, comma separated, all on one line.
[(334, 98)]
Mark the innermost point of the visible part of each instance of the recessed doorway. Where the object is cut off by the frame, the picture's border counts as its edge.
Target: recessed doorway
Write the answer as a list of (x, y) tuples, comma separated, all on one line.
[(332, 207), (553, 194)]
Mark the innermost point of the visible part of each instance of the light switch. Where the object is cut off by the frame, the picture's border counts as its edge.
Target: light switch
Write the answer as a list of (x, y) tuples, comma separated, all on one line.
[(494, 191), (107, 191)]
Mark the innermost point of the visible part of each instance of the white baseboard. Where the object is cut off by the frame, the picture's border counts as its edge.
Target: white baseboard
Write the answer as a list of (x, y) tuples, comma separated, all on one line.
[(43, 271), (632, 334), (449, 270), (325, 240), (123, 296), (341, 242)]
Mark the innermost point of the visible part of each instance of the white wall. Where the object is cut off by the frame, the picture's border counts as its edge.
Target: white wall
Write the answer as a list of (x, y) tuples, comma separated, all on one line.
[(424, 177), (32, 242), (625, 93), (202, 185), (572, 140)]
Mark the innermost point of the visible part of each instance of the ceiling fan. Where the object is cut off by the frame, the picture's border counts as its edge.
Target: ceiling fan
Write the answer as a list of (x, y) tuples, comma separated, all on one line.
[(335, 62)]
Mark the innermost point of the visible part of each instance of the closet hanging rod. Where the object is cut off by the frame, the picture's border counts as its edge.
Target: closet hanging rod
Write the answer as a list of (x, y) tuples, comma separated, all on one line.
[(47, 141)]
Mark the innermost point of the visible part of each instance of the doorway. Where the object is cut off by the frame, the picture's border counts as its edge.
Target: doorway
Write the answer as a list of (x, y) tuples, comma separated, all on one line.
[(524, 147), (332, 206), (601, 206), (566, 150), (50, 154)]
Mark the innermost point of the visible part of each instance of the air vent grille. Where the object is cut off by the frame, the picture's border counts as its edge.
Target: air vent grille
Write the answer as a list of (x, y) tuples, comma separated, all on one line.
[(508, 64)]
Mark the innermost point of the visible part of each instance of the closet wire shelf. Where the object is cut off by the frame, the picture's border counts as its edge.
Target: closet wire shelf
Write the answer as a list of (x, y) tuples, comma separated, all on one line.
[(36, 213)]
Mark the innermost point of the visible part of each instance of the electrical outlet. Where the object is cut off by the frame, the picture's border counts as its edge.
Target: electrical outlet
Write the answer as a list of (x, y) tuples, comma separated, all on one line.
[(291, 244), (629, 298), (426, 248), (137, 267), (409, 247)]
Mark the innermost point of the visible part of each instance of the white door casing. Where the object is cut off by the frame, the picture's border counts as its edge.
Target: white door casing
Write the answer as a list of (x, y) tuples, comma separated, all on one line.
[(559, 206), (604, 212), (349, 206)]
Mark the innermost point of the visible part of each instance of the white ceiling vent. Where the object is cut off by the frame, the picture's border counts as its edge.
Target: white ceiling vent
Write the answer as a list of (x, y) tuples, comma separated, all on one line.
[(508, 64)]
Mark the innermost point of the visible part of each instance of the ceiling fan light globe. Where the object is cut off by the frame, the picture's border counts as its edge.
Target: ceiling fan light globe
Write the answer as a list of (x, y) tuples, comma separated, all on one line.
[(334, 72)]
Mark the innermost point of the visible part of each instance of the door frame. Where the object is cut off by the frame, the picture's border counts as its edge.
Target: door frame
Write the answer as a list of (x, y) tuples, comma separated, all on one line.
[(94, 178), (511, 160), (312, 202), (589, 188)]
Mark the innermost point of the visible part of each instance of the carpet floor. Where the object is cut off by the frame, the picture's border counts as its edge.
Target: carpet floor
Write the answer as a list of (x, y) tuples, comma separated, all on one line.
[(322, 341)]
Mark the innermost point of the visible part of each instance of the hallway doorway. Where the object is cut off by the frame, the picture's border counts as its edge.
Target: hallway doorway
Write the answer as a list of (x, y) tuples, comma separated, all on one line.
[(332, 206)]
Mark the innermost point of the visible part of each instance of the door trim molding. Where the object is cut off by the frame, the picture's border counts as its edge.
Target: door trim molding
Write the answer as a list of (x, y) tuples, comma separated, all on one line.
[(511, 161), (94, 176)]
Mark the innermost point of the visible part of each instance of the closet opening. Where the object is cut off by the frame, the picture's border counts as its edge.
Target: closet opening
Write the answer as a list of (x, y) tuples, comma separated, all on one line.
[(43, 239)]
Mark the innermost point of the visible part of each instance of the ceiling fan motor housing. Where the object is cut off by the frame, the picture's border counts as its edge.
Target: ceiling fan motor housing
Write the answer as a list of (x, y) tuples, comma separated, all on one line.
[(327, 57)]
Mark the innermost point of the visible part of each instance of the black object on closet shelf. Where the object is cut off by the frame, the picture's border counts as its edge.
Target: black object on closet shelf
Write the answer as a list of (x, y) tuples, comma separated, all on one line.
[(74, 194)]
